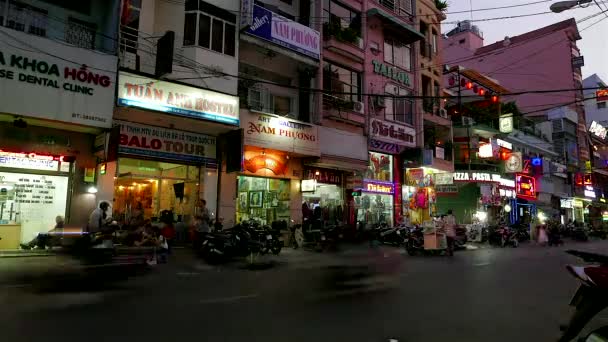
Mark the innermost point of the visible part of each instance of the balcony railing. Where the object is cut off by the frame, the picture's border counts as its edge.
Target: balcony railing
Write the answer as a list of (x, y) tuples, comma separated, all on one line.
[(37, 21)]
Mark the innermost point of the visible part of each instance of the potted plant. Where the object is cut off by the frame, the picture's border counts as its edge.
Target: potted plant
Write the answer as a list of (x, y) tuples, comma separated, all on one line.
[(441, 5)]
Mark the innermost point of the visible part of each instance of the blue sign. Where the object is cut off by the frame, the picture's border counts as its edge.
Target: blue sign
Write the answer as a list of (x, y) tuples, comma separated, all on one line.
[(284, 32)]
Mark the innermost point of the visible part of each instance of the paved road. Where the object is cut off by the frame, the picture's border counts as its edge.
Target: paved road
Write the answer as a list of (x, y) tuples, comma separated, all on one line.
[(484, 295)]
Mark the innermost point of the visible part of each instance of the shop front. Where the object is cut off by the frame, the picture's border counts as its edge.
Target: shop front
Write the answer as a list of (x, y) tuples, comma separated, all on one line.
[(269, 187), (52, 107), (478, 196), (324, 188), (164, 147), (161, 169), (376, 205)]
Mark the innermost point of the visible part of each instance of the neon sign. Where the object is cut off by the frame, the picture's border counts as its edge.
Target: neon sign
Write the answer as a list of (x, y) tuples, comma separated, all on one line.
[(525, 186), (31, 161), (378, 187)]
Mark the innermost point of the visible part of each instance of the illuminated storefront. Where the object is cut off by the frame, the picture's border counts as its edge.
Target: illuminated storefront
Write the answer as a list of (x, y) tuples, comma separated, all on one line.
[(418, 193), (161, 169), (324, 188), (33, 191), (376, 203), (264, 193)]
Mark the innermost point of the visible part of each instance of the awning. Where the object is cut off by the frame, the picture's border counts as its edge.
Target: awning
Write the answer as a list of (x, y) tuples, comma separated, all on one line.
[(413, 36), (339, 163)]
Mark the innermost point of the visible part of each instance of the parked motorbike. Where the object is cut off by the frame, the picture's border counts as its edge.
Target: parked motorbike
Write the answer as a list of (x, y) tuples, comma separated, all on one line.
[(598, 232), (414, 240), (461, 238), (394, 236), (239, 241), (579, 234), (591, 296)]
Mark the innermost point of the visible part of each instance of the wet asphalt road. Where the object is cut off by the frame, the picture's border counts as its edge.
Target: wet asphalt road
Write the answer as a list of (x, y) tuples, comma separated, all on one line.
[(484, 295)]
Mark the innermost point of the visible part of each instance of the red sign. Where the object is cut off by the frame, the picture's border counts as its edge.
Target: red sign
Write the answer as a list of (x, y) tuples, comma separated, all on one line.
[(601, 95), (582, 179), (525, 186)]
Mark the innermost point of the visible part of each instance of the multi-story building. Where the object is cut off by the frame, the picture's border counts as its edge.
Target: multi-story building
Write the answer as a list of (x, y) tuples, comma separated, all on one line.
[(543, 59), (176, 98), (58, 71)]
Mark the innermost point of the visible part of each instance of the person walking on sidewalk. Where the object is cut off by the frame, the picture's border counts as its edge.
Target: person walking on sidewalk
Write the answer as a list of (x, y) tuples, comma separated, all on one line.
[(449, 222)]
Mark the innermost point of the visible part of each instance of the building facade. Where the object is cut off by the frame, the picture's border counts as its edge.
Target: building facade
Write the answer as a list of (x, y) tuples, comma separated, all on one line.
[(165, 149), (58, 76)]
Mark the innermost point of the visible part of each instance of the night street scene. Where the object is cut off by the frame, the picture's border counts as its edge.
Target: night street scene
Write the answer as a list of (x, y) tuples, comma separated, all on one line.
[(292, 170)]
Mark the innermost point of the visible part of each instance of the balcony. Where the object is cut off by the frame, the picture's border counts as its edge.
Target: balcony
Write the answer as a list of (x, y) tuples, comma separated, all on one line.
[(343, 110), (37, 21), (343, 41)]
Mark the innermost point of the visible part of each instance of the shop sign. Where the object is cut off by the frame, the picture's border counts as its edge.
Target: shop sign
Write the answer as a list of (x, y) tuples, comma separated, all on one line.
[(601, 95), (506, 193), (506, 183), (414, 176), (560, 170), (485, 151), (589, 192), (582, 179), (392, 73), (443, 178), (143, 92), (285, 32), (281, 134), (577, 203), (385, 147), (525, 186), (71, 85), (439, 152), (476, 177), (504, 144), (565, 203), (324, 176), (378, 187), (30, 161), (597, 130), (159, 142), (393, 133), (308, 185), (505, 123), (514, 163), (446, 189)]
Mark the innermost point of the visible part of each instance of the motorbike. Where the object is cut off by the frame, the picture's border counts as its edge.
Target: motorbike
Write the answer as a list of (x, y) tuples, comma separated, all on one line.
[(579, 234), (394, 236), (414, 241), (591, 296), (461, 238), (598, 232)]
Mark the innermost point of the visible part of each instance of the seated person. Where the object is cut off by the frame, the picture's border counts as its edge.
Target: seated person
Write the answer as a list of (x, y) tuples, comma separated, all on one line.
[(149, 237), (43, 240)]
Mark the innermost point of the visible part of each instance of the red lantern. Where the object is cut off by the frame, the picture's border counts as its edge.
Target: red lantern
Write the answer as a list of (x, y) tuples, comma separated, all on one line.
[(452, 80), (463, 82), (469, 85), (475, 88), (481, 91)]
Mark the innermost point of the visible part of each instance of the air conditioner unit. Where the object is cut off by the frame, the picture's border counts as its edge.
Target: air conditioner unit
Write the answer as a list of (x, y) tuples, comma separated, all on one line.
[(443, 113), (379, 102), (467, 121), (358, 107)]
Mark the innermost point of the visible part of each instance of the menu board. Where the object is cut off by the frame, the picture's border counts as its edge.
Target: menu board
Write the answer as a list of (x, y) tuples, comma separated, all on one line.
[(37, 200)]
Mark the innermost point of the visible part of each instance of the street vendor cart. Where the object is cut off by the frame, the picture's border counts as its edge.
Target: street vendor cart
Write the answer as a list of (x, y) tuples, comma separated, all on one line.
[(434, 238)]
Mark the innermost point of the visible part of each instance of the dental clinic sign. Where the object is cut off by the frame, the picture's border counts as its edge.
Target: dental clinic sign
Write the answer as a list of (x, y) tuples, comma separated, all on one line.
[(69, 84), (168, 97), (287, 33)]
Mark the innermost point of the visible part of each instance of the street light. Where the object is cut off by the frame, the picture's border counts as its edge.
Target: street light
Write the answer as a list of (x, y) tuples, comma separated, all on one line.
[(561, 6)]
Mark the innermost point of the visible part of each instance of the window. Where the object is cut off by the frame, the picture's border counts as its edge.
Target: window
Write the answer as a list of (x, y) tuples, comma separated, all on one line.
[(262, 100), (434, 43), (398, 108), (80, 33), (334, 12), (397, 54), (210, 27), (338, 81), (405, 7), (601, 105), (23, 17)]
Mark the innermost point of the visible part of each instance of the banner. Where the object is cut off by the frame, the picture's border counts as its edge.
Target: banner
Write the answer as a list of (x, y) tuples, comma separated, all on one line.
[(159, 142), (71, 84), (287, 33), (148, 93)]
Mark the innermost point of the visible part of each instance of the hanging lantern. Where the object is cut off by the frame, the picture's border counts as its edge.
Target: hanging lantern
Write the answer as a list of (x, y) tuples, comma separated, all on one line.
[(469, 85), (482, 92), (475, 88), (463, 82), (452, 80)]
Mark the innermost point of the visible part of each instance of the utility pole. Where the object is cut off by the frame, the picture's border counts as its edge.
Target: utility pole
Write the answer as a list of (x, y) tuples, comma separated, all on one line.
[(462, 116)]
